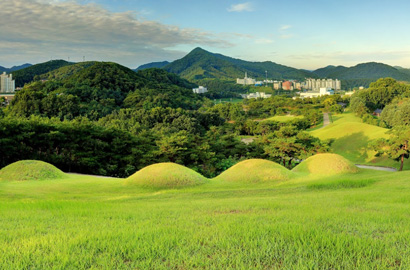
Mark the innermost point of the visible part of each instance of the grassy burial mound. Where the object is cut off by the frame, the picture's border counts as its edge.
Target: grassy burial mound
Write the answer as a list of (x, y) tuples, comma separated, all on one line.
[(25, 170), (254, 171), (326, 164), (166, 175)]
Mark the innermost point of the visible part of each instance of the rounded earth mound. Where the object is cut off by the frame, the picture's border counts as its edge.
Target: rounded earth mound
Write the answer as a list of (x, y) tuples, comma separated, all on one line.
[(25, 170), (254, 171), (326, 164), (166, 175)]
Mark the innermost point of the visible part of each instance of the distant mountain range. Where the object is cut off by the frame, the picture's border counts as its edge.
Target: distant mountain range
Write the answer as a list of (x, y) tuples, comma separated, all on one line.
[(14, 68), (26, 75), (200, 64)]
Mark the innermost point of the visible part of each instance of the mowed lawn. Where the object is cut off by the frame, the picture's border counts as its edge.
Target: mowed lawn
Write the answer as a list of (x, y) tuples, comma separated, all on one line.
[(352, 138), (284, 118), (359, 221)]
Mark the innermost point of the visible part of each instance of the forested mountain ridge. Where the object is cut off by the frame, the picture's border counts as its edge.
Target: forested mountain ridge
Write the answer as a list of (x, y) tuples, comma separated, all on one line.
[(362, 74), (28, 74), (152, 65), (201, 64), (96, 89)]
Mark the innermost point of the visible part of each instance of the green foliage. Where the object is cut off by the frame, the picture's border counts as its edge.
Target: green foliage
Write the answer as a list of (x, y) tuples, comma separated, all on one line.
[(397, 113), (358, 106), (288, 144), (77, 146), (397, 147), (96, 89)]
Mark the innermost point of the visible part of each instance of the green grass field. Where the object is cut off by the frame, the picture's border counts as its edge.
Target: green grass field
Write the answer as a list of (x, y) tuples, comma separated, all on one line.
[(359, 221), (284, 118), (352, 138)]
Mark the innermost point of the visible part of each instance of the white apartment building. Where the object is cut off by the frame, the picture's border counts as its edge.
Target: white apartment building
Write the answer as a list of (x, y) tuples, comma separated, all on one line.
[(7, 84), (316, 84), (200, 90)]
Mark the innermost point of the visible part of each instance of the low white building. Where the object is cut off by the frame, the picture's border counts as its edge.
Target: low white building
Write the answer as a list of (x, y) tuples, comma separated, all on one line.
[(256, 95), (322, 92), (7, 84), (200, 90), (246, 80)]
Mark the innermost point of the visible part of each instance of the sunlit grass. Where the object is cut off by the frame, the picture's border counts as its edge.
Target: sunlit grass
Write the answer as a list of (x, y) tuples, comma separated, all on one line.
[(355, 222)]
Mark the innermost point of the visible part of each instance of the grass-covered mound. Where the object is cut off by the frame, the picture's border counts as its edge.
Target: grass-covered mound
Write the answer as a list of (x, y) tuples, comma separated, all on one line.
[(166, 175), (326, 164), (25, 170), (254, 171)]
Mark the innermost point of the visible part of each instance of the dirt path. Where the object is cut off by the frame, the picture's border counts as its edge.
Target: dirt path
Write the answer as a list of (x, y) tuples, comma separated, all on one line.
[(326, 120), (377, 168)]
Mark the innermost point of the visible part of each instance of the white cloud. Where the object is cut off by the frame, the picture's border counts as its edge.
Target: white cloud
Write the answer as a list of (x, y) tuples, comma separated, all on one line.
[(44, 28), (288, 36), (285, 27), (241, 7), (264, 41)]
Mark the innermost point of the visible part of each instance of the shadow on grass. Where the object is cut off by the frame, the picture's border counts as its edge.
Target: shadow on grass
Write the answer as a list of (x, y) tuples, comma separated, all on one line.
[(354, 147), (342, 184)]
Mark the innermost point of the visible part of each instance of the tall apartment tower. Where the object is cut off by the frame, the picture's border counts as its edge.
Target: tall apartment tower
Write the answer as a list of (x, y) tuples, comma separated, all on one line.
[(7, 84)]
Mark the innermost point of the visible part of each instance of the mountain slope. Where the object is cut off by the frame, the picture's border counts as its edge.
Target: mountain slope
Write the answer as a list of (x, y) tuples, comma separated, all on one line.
[(362, 74), (152, 65), (96, 89), (200, 64), (327, 72), (14, 68), (27, 74)]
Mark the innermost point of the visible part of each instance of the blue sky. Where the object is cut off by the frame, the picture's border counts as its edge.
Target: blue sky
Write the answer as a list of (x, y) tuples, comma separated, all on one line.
[(302, 34)]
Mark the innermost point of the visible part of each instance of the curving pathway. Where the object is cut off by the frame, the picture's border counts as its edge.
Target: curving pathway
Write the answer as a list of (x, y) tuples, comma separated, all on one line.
[(377, 168)]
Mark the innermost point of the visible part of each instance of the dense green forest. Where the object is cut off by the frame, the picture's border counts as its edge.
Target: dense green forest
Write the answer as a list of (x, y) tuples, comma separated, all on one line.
[(103, 118)]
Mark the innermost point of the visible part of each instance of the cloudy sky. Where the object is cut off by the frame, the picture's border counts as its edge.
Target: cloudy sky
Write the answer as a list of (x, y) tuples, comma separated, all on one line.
[(299, 33)]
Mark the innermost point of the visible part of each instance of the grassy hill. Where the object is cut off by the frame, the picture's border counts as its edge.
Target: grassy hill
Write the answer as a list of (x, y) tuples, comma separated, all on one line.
[(351, 140), (201, 64), (84, 222)]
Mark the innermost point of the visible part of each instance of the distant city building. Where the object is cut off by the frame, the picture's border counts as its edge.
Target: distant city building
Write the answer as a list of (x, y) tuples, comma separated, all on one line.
[(277, 85), (200, 90), (287, 85), (316, 84), (7, 98), (246, 80), (7, 83), (256, 95)]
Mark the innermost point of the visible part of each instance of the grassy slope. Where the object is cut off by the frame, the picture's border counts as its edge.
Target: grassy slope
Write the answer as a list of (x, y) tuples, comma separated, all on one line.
[(352, 138), (284, 118), (86, 222)]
